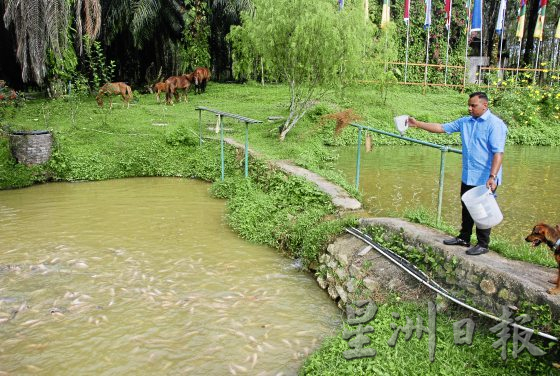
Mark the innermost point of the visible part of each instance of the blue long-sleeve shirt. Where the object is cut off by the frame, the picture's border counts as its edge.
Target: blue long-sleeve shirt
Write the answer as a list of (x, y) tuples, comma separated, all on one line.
[(481, 137)]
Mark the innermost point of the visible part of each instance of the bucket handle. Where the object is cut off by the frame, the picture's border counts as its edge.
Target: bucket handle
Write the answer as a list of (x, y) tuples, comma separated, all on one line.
[(492, 193)]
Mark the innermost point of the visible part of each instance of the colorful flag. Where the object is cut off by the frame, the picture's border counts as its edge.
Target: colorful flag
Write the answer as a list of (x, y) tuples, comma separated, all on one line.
[(340, 4), (476, 21), (521, 19), (557, 34), (540, 20), (501, 17), (385, 15), (448, 5), (428, 19), (406, 11)]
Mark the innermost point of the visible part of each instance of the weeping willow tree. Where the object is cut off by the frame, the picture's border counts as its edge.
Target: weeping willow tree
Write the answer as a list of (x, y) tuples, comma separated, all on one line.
[(310, 45)]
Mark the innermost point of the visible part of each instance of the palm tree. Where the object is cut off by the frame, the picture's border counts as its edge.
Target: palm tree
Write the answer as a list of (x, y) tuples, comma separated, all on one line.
[(38, 26), (41, 25), (142, 19), (144, 34), (231, 8), (88, 14)]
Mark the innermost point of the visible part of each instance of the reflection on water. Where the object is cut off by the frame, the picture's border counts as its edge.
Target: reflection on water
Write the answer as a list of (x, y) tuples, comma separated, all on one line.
[(142, 276), (394, 178)]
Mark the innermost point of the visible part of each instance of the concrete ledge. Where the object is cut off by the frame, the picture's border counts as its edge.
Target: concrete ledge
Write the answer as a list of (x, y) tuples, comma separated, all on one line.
[(496, 280), (350, 270)]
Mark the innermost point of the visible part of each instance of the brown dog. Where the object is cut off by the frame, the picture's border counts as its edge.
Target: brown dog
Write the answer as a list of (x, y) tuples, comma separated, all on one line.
[(543, 233)]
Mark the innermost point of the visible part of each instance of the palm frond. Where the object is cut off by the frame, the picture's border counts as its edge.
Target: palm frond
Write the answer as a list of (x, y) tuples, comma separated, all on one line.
[(118, 15), (37, 25), (92, 10), (143, 20), (233, 8), (79, 30)]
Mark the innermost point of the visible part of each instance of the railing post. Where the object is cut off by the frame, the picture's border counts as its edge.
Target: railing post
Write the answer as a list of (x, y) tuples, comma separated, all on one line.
[(246, 150), (443, 149), (221, 144), (200, 127), (358, 158), (220, 128), (441, 177)]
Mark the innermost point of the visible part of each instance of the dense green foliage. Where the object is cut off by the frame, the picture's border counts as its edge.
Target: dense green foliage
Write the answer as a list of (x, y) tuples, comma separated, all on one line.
[(283, 212), (151, 38)]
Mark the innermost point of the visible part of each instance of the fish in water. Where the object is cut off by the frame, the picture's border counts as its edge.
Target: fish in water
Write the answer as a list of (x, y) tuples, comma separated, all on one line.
[(8, 299)]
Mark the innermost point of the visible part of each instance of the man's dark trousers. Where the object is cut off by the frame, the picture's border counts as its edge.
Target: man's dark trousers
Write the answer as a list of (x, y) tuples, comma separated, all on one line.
[(467, 224)]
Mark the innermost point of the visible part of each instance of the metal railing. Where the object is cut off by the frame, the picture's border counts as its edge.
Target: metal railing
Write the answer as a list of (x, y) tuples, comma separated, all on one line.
[(219, 114), (442, 148)]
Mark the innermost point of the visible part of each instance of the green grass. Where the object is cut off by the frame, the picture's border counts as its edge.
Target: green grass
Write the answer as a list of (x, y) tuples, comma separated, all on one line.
[(412, 357)]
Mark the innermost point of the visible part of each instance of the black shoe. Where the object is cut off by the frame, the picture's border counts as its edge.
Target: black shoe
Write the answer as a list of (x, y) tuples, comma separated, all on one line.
[(456, 241), (476, 250)]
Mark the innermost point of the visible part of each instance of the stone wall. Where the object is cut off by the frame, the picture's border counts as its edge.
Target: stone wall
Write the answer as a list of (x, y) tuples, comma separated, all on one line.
[(31, 147), (351, 270)]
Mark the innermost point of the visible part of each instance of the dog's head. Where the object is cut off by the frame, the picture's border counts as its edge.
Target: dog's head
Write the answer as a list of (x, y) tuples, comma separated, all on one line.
[(541, 234)]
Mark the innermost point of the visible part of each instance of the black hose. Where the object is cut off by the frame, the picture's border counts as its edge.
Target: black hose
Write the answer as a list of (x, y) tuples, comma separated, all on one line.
[(419, 275)]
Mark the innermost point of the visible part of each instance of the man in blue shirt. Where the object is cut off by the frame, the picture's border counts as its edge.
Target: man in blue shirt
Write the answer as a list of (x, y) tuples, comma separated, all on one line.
[(483, 136)]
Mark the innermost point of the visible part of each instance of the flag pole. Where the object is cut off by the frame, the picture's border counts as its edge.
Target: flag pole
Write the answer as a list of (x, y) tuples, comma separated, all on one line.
[(537, 61), (406, 58), (518, 58), (500, 73), (480, 66), (554, 58), (467, 44), (448, 35), (427, 55), (387, 40), (501, 19)]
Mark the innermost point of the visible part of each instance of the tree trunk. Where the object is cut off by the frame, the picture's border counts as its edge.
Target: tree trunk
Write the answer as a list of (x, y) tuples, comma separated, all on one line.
[(532, 14), (492, 10)]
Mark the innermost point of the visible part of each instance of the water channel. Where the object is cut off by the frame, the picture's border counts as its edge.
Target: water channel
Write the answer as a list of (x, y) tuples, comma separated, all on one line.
[(143, 276), (395, 178)]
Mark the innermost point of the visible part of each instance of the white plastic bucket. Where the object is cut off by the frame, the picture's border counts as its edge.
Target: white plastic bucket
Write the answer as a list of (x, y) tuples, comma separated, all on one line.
[(401, 123), (482, 206)]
